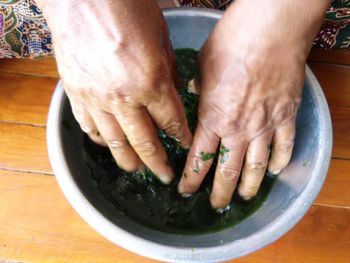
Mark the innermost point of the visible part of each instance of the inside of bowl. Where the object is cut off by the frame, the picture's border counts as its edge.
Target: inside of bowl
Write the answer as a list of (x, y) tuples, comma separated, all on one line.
[(286, 190)]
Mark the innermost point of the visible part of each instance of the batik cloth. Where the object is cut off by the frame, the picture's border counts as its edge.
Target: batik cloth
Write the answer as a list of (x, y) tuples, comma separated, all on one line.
[(24, 32), (335, 30)]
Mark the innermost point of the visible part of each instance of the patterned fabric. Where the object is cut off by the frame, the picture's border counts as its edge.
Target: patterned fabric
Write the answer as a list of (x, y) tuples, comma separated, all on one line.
[(23, 30), (24, 33), (335, 30)]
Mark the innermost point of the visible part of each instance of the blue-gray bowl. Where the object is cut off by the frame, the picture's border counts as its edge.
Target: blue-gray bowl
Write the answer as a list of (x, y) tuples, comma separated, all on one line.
[(291, 196)]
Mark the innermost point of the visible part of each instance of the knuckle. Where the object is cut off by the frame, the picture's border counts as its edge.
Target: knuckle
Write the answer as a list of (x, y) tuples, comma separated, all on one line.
[(229, 173), (198, 162), (172, 127), (285, 111), (115, 96), (284, 147), (197, 166), (145, 148), (116, 144), (255, 167)]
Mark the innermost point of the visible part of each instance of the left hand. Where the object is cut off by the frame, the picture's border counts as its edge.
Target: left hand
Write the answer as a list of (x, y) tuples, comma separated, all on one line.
[(251, 75)]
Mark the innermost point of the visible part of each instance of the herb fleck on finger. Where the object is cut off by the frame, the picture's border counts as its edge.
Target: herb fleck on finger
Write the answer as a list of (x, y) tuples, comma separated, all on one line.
[(306, 163), (224, 153), (206, 156), (196, 170)]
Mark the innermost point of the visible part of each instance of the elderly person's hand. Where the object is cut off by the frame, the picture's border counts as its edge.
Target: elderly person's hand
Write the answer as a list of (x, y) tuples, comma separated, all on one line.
[(251, 76), (117, 68)]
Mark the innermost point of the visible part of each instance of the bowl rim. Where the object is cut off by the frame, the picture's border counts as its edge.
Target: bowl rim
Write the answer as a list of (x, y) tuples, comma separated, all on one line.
[(144, 247)]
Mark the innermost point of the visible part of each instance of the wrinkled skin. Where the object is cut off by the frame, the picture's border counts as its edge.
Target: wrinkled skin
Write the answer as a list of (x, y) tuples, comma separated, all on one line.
[(117, 68), (250, 83)]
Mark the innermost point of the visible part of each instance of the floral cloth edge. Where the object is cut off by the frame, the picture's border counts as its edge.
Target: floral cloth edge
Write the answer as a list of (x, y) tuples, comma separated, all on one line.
[(335, 30), (24, 32)]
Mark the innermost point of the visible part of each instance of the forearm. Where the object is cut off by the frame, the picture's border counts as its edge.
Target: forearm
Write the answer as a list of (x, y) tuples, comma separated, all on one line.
[(106, 24), (277, 23), (117, 14)]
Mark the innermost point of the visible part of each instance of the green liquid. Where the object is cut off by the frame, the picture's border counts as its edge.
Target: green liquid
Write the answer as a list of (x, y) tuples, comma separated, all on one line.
[(146, 200)]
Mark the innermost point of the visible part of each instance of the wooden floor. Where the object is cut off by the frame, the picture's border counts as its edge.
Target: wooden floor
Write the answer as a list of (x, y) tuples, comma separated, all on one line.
[(37, 224)]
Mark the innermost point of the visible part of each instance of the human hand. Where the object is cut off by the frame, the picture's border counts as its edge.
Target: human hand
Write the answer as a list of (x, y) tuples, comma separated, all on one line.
[(251, 72), (117, 68)]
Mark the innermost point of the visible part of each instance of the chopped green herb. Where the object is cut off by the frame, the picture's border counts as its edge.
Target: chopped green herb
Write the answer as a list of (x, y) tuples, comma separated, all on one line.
[(206, 156), (196, 170), (306, 163), (224, 153)]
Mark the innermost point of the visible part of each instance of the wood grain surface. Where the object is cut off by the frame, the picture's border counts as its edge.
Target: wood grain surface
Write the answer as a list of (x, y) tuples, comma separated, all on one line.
[(40, 67), (23, 148), (40, 232), (37, 224), (341, 132), (335, 81), (24, 99)]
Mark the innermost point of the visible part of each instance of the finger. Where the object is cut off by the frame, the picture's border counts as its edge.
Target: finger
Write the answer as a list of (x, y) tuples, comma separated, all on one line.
[(199, 160), (169, 115), (121, 150), (227, 172), (86, 122), (254, 167), (282, 147), (143, 137)]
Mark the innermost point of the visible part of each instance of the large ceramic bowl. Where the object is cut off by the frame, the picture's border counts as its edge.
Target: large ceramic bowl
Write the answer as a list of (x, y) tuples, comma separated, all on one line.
[(291, 196)]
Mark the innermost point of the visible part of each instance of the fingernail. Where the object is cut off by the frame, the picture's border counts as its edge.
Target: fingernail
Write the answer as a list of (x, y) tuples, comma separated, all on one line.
[(165, 179), (186, 147), (276, 172), (186, 195), (246, 198), (222, 210)]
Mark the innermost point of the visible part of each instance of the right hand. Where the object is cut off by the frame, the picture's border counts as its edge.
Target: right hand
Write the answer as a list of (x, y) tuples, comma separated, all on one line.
[(117, 67)]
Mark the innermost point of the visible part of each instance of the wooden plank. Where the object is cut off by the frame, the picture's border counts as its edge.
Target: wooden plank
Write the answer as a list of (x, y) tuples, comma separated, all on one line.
[(335, 56), (25, 99), (23, 148), (322, 236), (335, 191), (38, 225), (341, 132), (335, 82), (45, 66)]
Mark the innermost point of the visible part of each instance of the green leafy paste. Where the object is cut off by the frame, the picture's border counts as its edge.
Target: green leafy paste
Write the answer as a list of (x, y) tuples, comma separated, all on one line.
[(142, 197)]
